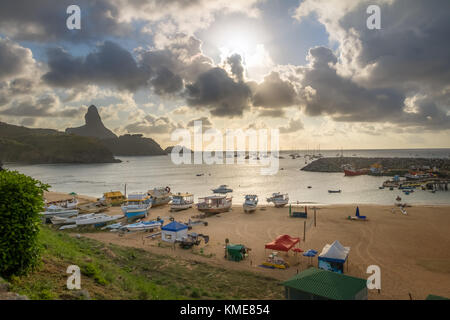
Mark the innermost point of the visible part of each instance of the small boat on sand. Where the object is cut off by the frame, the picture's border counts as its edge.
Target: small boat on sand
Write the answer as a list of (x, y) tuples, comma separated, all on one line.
[(137, 205), (58, 211), (222, 189), (159, 196), (142, 226), (250, 203), (182, 201), (96, 219), (214, 204), (279, 199)]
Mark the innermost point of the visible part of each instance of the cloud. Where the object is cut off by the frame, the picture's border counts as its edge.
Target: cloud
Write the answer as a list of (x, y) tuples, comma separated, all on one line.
[(216, 91), (151, 124), (374, 73), (274, 92), (109, 65), (294, 125)]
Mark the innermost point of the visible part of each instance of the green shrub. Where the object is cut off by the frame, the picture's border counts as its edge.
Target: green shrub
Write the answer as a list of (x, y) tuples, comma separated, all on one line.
[(21, 201)]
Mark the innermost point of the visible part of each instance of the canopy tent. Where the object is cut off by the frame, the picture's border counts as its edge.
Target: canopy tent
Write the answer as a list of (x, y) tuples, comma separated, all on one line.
[(173, 232), (236, 252), (333, 257), (282, 243)]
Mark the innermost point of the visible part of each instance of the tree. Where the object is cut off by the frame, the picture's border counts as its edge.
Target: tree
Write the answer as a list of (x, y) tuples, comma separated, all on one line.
[(21, 201)]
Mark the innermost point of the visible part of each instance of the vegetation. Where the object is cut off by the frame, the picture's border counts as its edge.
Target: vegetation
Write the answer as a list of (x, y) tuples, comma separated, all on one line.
[(20, 144), (133, 145), (115, 272), (21, 201)]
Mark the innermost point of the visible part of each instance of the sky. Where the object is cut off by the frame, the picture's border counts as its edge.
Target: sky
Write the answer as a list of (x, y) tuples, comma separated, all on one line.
[(311, 68)]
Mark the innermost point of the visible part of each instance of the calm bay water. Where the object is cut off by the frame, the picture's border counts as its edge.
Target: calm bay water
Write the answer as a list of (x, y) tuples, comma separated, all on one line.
[(143, 173)]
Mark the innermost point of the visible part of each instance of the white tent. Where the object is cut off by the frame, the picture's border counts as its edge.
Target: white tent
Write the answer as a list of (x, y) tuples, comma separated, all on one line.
[(335, 251)]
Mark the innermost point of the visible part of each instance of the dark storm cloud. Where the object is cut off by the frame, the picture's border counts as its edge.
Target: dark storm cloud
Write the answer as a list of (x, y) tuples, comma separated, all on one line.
[(110, 65), (274, 92), (44, 107), (399, 74), (13, 58), (45, 20), (152, 125), (216, 91), (294, 125), (237, 69)]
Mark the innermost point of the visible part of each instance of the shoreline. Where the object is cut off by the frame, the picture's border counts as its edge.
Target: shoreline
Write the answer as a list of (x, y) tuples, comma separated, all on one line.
[(411, 250)]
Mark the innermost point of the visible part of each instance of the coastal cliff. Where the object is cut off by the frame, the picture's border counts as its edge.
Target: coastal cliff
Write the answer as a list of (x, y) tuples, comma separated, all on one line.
[(26, 145)]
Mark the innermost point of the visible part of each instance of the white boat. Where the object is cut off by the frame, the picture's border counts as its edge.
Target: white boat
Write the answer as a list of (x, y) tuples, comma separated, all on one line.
[(58, 211), (65, 204), (159, 196), (222, 189), (182, 201), (279, 199), (214, 204), (137, 205), (62, 220), (142, 226), (250, 203), (98, 218)]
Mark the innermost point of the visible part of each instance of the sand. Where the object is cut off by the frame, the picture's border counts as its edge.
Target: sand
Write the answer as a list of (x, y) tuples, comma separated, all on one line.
[(412, 251)]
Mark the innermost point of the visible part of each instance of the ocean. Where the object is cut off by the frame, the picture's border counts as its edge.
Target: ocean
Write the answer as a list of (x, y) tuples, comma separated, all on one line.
[(143, 173)]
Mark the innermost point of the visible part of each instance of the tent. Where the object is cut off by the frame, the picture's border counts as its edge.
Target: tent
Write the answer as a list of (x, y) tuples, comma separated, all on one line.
[(173, 231), (236, 252), (282, 243), (333, 257)]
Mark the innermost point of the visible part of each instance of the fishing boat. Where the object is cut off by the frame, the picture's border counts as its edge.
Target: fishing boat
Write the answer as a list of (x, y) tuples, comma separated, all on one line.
[(182, 201), (71, 203), (250, 203), (350, 172), (222, 189), (63, 220), (137, 205), (95, 219), (275, 261), (159, 196), (58, 211), (279, 199), (214, 204), (142, 226), (334, 191)]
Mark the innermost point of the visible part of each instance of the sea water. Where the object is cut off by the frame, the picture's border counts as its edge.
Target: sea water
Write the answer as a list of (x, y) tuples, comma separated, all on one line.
[(143, 173)]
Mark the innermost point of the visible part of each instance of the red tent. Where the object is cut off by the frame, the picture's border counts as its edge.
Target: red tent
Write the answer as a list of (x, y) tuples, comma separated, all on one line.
[(282, 243)]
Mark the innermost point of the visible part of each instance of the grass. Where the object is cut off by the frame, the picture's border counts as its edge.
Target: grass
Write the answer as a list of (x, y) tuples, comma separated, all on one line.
[(115, 272)]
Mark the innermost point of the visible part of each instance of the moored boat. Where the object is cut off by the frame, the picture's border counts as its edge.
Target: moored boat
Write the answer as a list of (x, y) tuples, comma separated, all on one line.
[(351, 172), (182, 201), (279, 199), (334, 191), (222, 189), (250, 203), (137, 205), (214, 204), (57, 211), (159, 196)]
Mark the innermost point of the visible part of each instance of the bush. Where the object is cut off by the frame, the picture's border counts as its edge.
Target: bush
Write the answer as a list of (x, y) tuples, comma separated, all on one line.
[(21, 201)]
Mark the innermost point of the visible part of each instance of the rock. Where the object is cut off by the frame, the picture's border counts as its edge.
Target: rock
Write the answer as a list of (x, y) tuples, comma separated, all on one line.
[(83, 294), (93, 127)]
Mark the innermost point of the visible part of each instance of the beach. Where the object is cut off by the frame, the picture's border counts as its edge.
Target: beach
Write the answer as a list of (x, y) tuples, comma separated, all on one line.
[(411, 250)]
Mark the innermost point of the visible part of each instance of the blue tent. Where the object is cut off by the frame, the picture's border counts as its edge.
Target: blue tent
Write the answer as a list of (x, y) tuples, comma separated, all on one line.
[(174, 227)]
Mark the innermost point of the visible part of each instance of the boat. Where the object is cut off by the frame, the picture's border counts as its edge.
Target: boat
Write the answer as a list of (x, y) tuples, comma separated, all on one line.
[(114, 198), (159, 196), (279, 199), (182, 201), (250, 203), (222, 189), (352, 173), (334, 191), (137, 205), (96, 219), (58, 211), (214, 204), (63, 220), (398, 198), (142, 226)]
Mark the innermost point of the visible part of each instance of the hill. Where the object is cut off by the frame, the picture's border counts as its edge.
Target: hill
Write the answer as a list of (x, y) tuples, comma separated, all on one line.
[(21, 144), (126, 145)]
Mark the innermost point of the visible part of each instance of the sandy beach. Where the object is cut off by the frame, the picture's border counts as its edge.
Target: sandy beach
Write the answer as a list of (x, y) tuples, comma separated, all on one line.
[(411, 250)]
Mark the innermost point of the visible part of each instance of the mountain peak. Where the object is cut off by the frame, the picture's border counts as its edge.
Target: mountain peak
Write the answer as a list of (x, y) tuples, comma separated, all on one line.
[(94, 126)]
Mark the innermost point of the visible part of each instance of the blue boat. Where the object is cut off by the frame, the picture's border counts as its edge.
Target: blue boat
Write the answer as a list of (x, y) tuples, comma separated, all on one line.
[(137, 206)]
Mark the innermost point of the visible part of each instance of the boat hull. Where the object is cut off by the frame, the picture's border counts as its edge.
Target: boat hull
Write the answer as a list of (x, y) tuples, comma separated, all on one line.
[(352, 173), (249, 207), (179, 207), (214, 209)]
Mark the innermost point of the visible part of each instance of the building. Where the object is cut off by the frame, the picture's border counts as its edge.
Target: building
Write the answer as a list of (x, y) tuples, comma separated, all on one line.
[(173, 231), (318, 284)]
